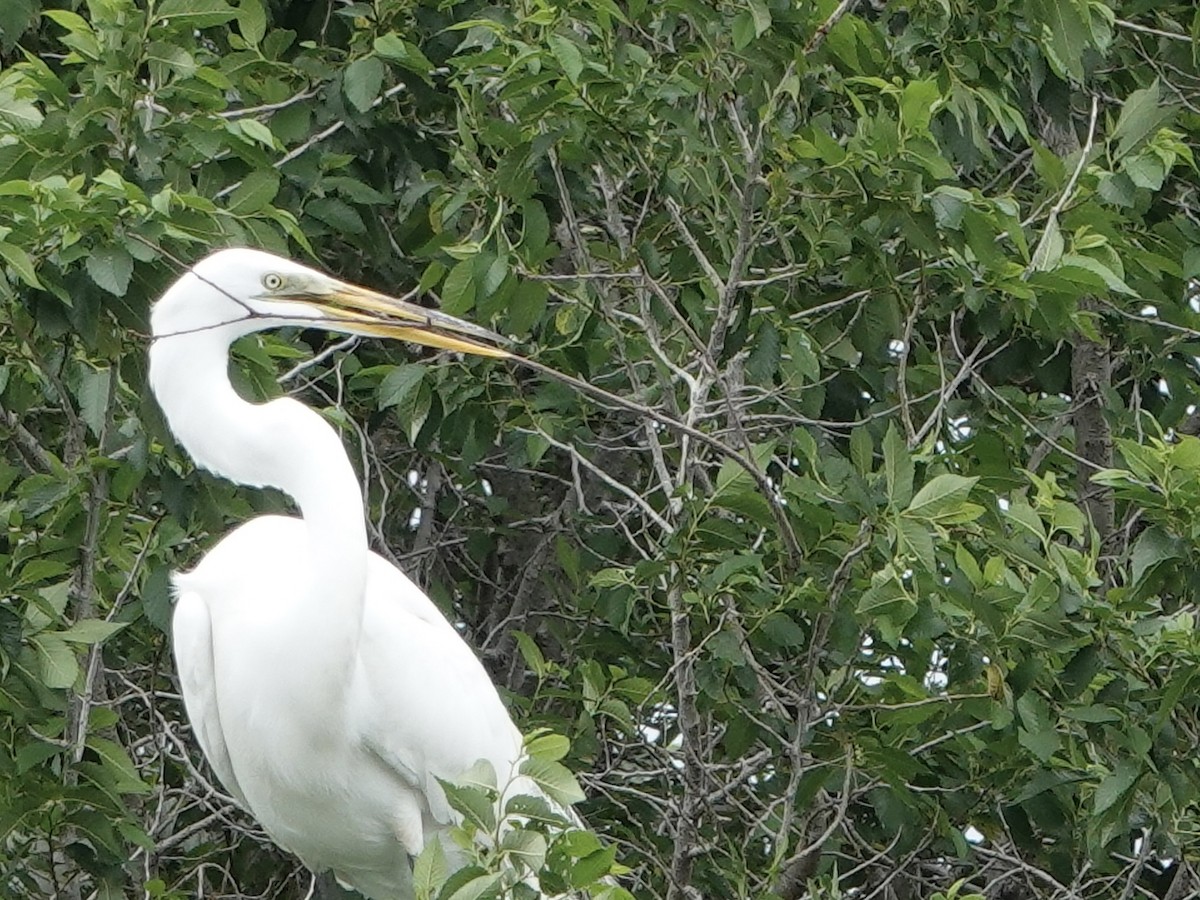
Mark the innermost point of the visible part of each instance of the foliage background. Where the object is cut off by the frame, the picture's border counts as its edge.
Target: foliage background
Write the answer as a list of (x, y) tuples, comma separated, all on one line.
[(926, 268)]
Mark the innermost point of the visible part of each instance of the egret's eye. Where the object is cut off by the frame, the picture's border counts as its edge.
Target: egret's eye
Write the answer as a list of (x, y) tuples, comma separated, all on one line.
[(272, 282)]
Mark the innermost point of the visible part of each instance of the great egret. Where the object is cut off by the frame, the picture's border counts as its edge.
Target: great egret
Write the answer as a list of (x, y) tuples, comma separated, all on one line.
[(327, 691)]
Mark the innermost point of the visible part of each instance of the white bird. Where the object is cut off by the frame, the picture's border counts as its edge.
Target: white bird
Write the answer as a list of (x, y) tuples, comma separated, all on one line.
[(327, 692)]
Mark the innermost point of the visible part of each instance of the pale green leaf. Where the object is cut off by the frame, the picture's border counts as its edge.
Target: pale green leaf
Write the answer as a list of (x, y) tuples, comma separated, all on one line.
[(551, 747), (195, 13), (477, 887), (1110, 278), (760, 13), (554, 779), (472, 803), (917, 104), (429, 871), (252, 20), (1050, 248), (57, 666), (21, 263), (255, 131), (528, 847), (943, 495), (568, 55)]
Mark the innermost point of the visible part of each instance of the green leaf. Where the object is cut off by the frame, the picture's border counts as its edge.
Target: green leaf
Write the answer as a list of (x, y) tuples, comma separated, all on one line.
[(337, 214), (111, 268), (1024, 515), (531, 653), (354, 190), (1038, 735), (57, 666), (567, 53), (195, 13), (117, 762), (395, 49), (1065, 35), (527, 847), (458, 290), (943, 495), (898, 468), (1146, 170), (429, 871), (21, 263), (399, 383), (16, 16), (1118, 188), (494, 275), (473, 804), (765, 355), (1141, 116), (22, 115), (526, 306), (406, 389), (1049, 249), (593, 867), (862, 450), (610, 577), (917, 104), (362, 82), (257, 132), (257, 190), (916, 542), (1153, 546), (551, 747), (761, 15), (414, 412), (801, 365), (90, 631), (477, 887), (1108, 276), (252, 20), (742, 30), (1115, 786), (554, 779), (93, 394), (156, 598)]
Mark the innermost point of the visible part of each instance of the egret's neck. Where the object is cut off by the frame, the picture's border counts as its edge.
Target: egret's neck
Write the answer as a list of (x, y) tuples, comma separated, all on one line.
[(281, 444)]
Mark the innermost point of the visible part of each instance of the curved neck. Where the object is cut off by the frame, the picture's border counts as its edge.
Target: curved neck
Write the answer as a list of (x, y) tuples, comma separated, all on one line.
[(281, 444)]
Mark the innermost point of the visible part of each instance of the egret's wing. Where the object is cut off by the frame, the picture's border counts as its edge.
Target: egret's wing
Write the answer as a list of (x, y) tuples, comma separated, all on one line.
[(192, 639), (424, 703)]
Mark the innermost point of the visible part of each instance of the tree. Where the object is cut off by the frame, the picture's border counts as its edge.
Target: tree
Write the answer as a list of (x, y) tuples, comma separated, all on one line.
[(890, 585)]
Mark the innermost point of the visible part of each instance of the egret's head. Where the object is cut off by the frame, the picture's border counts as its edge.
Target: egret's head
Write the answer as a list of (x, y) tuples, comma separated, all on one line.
[(239, 291)]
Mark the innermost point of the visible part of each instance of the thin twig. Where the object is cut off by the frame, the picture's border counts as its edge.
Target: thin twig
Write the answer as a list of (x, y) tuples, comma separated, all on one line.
[(1145, 29), (321, 135), (821, 33), (1065, 197)]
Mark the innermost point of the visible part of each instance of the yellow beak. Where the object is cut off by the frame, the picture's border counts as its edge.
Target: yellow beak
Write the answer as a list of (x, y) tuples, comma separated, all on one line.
[(367, 312)]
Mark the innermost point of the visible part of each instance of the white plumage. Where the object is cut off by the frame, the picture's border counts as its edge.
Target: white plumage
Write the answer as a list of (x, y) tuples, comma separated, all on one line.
[(327, 691)]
